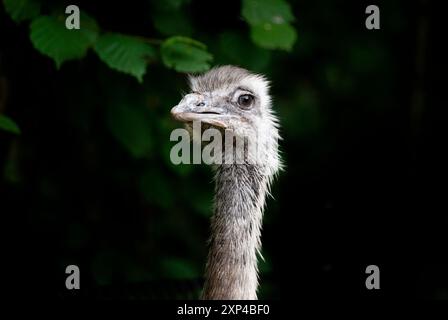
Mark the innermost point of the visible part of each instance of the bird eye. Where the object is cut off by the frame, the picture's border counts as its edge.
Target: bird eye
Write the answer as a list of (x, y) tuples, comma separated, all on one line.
[(245, 100)]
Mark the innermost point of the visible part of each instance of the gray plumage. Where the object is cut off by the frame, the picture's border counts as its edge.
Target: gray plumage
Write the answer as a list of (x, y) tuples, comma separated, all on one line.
[(236, 100)]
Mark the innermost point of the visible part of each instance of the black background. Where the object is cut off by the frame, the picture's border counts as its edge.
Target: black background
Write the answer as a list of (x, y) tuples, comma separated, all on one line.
[(378, 197)]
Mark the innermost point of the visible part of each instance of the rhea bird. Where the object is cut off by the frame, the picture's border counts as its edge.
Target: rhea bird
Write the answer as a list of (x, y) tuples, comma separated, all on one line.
[(232, 99)]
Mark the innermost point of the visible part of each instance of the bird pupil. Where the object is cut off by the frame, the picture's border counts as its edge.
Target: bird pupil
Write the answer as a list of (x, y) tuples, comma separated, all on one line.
[(245, 100)]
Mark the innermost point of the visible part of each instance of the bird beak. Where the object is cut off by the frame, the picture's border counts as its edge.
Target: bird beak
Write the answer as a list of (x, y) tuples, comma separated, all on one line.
[(193, 108)]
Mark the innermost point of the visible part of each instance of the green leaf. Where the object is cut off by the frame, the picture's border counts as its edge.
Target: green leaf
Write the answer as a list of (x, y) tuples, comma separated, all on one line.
[(274, 36), (125, 53), (257, 12), (20, 10), (51, 38), (130, 127), (235, 48), (270, 23), (185, 55), (8, 124)]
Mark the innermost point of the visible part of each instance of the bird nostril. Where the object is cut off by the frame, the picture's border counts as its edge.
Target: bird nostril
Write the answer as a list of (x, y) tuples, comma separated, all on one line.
[(200, 104)]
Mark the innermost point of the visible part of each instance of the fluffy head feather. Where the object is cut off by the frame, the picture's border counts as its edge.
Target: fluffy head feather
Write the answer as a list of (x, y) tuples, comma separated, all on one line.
[(214, 100)]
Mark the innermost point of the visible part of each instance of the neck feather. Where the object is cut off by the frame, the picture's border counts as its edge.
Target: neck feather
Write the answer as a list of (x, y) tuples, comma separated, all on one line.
[(231, 270)]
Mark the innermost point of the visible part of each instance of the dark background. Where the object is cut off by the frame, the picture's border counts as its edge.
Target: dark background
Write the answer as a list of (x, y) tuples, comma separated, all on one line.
[(361, 141)]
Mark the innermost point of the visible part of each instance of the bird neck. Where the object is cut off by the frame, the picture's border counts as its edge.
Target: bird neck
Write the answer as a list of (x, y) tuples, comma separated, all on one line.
[(231, 270)]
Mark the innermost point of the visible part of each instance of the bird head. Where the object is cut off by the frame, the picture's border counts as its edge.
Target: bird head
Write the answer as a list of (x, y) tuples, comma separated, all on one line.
[(236, 101)]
